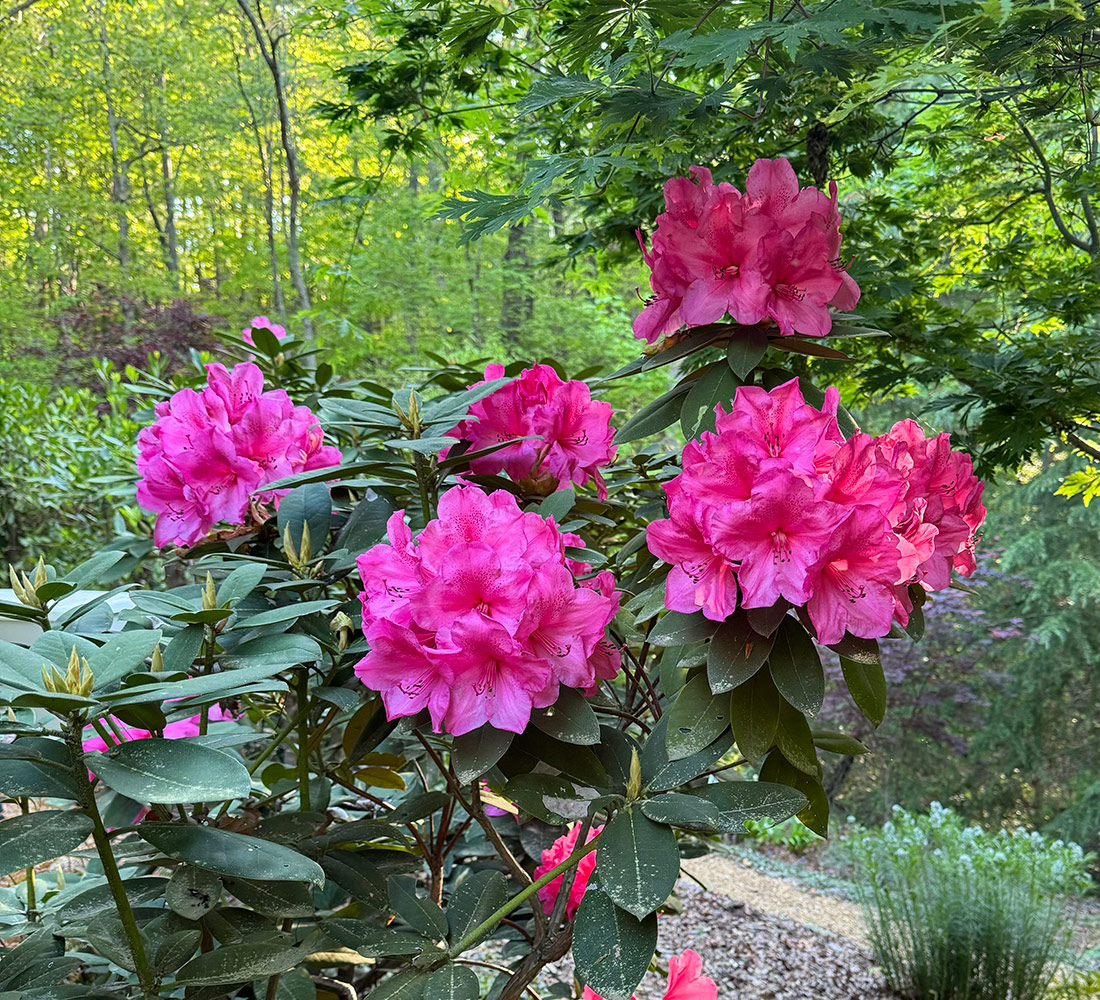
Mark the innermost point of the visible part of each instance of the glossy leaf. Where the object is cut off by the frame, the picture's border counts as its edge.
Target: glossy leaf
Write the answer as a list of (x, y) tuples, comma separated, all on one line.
[(611, 948), (735, 652), (167, 771), (754, 714), (796, 668), (231, 853), (638, 862), (473, 753), (696, 719), (738, 801), (40, 836), (867, 685)]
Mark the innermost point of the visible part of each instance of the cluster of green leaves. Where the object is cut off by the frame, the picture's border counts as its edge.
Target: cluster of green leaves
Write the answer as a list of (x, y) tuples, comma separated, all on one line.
[(309, 833)]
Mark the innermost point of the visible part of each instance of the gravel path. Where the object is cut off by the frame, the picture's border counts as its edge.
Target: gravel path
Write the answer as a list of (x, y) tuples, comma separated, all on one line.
[(734, 878)]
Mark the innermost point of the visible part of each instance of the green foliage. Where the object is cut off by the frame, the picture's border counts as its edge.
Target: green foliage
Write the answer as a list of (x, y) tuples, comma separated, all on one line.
[(791, 834), (66, 461), (955, 911)]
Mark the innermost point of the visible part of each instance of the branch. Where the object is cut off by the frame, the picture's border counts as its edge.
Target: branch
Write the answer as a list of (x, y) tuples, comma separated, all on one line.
[(1048, 191), (1083, 446), (19, 8)]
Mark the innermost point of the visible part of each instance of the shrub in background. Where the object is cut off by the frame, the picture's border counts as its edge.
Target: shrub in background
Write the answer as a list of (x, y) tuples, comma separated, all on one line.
[(958, 913), (61, 452)]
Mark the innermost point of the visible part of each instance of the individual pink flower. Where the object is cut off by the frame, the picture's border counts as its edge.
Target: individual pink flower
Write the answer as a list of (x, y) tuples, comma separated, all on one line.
[(210, 452), (771, 254), (777, 534), (262, 323), (852, 582), (480, 619), (553, 856), (701, 577), (780, 424), (685, 980), (566, 436)]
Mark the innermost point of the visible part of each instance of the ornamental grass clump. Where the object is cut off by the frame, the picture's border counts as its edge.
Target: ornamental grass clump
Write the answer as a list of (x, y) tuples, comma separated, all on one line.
[(958, 913)]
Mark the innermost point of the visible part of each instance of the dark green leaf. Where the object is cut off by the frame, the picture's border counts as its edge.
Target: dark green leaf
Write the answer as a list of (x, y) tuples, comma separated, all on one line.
[(192, 891), (638, 862), (676, 628), (289, 612), (686, 811), (480, 895), (372, 941), (747, 346), (306, 505), (452, 982), (754, 714), (122, 654), (273, 899), (40, 836), (240, 583), (182, 649), (815, 814), (796, 668), (231, 853), (837, 742), (654, 417), (473, 753), (168, 771), (366, 524), (735, 653), (542, 795), (795, 741), (43, 773), (660, 774), (402, 986), (611, 948), (97, 902), (696, 719), (238, 963), (767, 620), (569, 719), (419, 806), (558, 504), (867, 685), (419, 912), (738, 801), (716, 385)]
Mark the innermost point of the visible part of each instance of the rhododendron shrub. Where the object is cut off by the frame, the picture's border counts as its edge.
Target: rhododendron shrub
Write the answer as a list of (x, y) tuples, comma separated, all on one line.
[(210, 451), (494, 667)]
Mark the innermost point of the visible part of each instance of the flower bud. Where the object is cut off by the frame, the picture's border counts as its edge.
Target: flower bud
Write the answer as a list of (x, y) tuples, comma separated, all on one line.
[(40, 573), (157, 660), (634, 784), (209, 594), (23, 588), (342, 625)]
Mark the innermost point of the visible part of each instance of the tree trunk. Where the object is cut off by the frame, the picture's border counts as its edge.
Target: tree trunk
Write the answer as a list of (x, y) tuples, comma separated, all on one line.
[(171, 247), (517, 302), (269, 50), (119, 181)]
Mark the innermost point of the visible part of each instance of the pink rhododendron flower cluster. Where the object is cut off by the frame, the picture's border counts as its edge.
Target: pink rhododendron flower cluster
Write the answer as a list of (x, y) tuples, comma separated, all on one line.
[(553, 856), (771, 253), (262, 323), (685, 980), (778, 505), (210, 450), (572, 431), (480, 619)]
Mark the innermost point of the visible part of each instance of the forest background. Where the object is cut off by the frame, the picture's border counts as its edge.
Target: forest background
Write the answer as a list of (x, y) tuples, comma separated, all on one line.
[(404, 183)]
